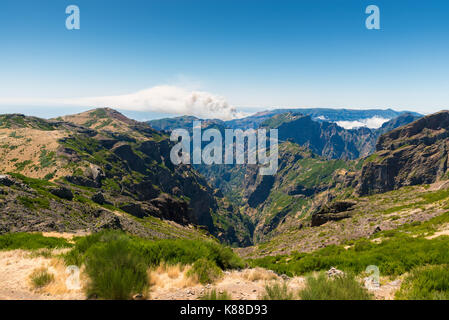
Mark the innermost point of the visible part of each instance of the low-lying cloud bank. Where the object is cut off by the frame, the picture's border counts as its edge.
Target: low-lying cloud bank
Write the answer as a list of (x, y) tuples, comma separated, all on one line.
[(372, 123), (163, 99)]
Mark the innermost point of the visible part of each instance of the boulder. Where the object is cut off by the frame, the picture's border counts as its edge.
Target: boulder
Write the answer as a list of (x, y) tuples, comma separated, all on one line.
[(378, 229), (334, 272), (63, 193), (134, 209), (335, 211), (99, 198), (83, 181), (6, 180), (110, 222)]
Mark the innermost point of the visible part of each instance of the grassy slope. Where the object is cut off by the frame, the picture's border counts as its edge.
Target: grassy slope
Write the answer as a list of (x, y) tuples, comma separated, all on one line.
[(388, 211)]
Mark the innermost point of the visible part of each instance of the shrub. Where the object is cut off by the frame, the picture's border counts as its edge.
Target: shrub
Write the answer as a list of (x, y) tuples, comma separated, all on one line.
[(212, 295), (185, 251), (41, 277), (205, 271), (118, 262), (156, 252), (393, 257), (426, 283), (338, 288), (30, 241), (116, 270), (277, 291)]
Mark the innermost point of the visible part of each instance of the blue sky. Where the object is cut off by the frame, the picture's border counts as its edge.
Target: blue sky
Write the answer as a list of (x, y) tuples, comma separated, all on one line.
[(150, 56)]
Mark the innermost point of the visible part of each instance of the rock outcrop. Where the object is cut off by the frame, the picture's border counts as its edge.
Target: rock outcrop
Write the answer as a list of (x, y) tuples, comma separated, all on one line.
[(334, 211), (414, 154)]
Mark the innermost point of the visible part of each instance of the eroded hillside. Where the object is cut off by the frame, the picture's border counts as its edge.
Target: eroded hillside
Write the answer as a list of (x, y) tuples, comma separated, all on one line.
[(98, 158)]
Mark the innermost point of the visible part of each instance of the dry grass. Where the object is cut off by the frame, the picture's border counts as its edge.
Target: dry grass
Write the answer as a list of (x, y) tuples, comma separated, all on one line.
[(41, 277), (259, 274), (171, 276), (58, 286), (26, 145), (65, 235)]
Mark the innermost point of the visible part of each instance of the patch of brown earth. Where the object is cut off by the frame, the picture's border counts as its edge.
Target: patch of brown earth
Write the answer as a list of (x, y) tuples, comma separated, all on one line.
[(15, 284)]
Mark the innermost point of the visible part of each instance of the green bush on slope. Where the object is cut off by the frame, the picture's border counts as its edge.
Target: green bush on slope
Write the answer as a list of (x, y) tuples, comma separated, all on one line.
[(116, 270), (205, 271), (30, 241), (155, 252), (393, 257), (339, 288), (426, 283), (276, 291), (117, 263)]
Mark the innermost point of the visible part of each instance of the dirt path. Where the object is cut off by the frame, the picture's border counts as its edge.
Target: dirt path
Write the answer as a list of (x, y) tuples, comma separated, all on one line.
[(248, 284), (15, 269), (443, 231), (167, 282)]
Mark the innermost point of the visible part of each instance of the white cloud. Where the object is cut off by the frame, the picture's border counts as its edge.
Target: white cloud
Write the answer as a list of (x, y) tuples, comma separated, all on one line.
[(373, 123), (164, 99)]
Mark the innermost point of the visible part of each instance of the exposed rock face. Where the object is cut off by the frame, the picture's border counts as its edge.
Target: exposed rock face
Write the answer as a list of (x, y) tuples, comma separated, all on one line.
[(107, 154), (24, 209), (99, 198), (261, 192), (413, 154), (83, 181), (323, 138), (63, 193), (329, 140), (6, 180), (335, 211), (397, 122)]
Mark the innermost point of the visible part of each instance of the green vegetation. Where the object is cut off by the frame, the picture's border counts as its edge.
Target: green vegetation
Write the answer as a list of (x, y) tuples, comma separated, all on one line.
[(279, 119), (276, 291), (40, 186), (116, 270), (41, 277), (49, 176), (99, 113), (47, 159), (34, 203), (213, 295), (21, 165), (339, 288), (20, 121), (103, 124), (30, 241), (14, 135), (394, 256), (117, 262), (155, 252), (426, 283), (373, 158), (205, 271)]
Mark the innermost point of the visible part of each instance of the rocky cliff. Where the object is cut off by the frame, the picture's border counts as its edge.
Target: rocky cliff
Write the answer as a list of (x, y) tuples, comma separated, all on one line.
[(414, 154), (116, 161)]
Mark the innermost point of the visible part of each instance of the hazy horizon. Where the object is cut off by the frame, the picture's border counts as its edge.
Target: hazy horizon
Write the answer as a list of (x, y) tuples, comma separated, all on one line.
[(222, 59)]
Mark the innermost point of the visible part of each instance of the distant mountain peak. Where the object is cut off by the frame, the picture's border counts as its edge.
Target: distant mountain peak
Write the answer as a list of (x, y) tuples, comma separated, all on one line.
[(103, 119)]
